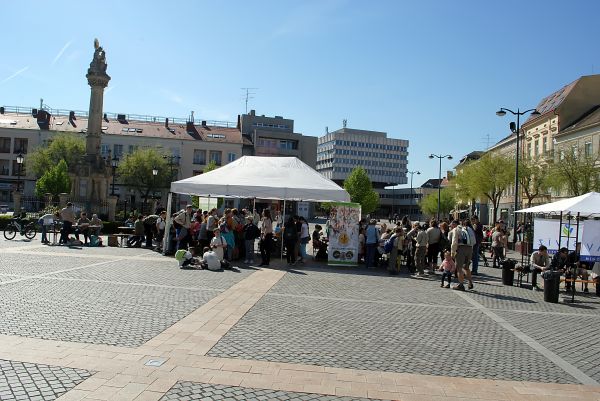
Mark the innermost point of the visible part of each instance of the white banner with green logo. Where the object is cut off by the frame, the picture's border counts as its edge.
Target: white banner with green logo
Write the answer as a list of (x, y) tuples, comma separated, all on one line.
[(344, 218)]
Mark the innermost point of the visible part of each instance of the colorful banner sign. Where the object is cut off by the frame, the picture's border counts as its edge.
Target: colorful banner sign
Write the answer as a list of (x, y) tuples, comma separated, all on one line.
[(343, 234), (546, 232)]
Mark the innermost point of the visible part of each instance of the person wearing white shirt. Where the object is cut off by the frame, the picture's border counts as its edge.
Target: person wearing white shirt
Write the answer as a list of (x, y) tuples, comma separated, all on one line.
[(218, 244)]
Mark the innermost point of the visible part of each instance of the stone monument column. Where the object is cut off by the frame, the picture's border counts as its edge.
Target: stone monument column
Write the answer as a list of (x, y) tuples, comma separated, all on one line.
[(98, 80)]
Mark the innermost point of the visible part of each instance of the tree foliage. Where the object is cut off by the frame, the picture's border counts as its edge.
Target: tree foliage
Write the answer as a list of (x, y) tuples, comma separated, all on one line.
[(429, 204), (64, 146), (361, 190), (533, 179), (575, 172), (54, 181), (485, 178), (135, 171)]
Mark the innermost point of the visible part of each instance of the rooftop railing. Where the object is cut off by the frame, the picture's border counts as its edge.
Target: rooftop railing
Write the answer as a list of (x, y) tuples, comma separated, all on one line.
[(128, 117)]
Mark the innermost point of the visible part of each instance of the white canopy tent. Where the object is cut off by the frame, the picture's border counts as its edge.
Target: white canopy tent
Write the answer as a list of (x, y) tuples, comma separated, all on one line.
[(282, 178), (584, 205), (285, 178)]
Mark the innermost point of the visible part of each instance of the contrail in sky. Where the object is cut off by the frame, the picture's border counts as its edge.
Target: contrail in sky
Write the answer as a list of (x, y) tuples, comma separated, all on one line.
[(16, 74), (60, 53)]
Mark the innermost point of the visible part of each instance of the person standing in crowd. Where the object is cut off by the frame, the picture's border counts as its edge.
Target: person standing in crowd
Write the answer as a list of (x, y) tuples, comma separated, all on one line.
[(184, 222), (67, 216), (434, 236), (202, 231), (498, 245), (218, 244), (304, 238), (266, 238), (421, 250), (290, 238), (161, 223), (46, 223), (462, 239), (371, 242), (397, 249), (478, 229), (212, 222), (238, 233), (251, 233), (539, 261)]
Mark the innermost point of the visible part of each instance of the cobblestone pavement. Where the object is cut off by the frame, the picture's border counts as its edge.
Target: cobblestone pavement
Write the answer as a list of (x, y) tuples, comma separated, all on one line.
[(100, 300), (332, 318), (212, 392), (307, 333), (28, 381)]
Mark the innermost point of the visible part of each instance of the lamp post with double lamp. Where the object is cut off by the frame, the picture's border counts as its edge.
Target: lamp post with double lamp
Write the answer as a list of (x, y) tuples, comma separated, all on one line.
[(20, 160), (412, 173), (114, 164), (518, 113), (440, 157)]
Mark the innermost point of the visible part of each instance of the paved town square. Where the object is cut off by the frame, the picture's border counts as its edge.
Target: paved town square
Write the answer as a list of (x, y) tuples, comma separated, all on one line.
[(128, 324)]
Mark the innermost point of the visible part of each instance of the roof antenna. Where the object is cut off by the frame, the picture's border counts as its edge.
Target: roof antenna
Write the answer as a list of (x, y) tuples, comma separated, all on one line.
[(249, 96)]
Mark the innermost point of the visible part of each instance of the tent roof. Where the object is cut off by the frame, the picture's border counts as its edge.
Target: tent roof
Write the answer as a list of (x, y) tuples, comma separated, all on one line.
[(264, 178), (586, 205)]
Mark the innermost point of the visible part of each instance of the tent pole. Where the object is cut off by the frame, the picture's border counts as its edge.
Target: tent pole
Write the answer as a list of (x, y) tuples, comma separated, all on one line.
[(280, 233), (166, 238), (578, 255), (560, 231)]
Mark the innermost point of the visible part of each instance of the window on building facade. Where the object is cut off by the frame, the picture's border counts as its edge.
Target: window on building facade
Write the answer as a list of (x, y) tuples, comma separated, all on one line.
[(104, 150), (118, 150), (4, 167), (4, 145), (20, 145), (588, 149), (528, 155), (199, 156), (545, 145), (536, 147), (132, 148), (215, 155), (230, 157)]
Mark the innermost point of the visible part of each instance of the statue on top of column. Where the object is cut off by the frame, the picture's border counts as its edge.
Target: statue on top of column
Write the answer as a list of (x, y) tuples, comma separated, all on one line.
[(98, 64)]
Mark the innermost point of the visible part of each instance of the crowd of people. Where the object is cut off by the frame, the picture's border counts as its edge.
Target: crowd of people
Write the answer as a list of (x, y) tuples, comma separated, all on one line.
[(456, 244)]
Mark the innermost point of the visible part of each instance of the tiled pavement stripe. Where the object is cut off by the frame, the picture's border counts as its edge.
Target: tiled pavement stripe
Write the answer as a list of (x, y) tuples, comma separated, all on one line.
[(42, 275), (142, 256), (554, 358), (173, 287)]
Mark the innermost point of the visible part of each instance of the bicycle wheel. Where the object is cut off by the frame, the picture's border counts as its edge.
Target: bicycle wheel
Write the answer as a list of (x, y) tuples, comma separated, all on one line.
[(30, 231), (10, 232)]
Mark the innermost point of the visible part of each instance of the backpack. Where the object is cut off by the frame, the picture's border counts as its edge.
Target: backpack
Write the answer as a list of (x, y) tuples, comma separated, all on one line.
[(389, 244), (464, 238)]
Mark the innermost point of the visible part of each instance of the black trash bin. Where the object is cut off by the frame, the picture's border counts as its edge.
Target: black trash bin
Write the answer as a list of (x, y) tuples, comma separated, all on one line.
[(508, 271), (551, 286)]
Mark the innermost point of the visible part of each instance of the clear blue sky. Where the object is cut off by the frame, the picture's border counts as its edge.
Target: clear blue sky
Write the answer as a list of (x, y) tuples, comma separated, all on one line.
[(432, 72)]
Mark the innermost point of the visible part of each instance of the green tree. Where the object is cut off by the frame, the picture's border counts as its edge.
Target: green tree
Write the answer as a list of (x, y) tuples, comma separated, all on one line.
[(485, 179), (135, 171), (429, 204), (54, 181), (64, 146), (212, 165), (361, 190), (575, 171), (533, 178)]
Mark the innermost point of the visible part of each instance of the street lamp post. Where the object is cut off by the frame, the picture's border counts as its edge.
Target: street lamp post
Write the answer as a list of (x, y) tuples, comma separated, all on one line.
[(154, 174), (440, 157), (20, 160), (412, 173), (518, 113), (114, 164)]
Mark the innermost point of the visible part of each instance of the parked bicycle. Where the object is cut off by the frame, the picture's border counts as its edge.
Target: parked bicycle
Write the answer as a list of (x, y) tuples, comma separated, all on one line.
[(27, 229)]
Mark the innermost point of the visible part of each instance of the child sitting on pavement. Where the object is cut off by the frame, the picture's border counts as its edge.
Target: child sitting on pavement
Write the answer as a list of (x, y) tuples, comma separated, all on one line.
[(448, 267)]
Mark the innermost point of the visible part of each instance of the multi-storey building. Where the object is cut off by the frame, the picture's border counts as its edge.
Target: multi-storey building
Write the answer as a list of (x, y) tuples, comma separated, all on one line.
[(383, 158), (188, 146), (275, 136)]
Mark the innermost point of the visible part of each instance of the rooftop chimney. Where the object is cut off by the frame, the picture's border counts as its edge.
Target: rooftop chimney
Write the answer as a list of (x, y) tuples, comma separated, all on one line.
[(252, 112), (204, 123), (166, 123)]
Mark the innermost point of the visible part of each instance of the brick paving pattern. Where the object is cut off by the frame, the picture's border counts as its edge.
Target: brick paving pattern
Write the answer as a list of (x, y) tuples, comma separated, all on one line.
[(34, 382), (217, 392)]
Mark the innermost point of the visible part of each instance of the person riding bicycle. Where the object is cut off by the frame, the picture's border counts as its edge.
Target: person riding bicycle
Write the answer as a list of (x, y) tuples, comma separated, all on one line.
[(21, 219)]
